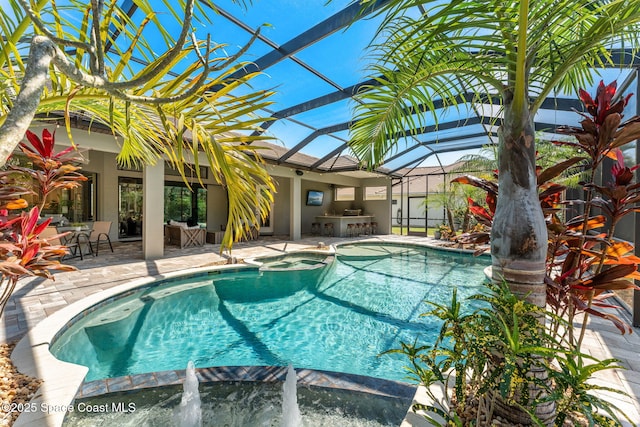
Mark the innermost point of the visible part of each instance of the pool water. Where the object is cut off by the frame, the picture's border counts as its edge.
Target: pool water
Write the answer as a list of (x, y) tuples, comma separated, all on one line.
[(340, 319)]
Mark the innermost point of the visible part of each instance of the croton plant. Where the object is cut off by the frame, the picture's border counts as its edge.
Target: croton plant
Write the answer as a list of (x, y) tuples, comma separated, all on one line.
[(22, 251), (585, 261)]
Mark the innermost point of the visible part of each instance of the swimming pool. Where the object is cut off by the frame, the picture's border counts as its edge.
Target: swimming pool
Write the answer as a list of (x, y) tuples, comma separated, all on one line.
[(339, 318)]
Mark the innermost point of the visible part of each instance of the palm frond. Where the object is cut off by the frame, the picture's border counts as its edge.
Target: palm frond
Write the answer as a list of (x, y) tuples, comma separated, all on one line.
[(465, 45), (203, 126)]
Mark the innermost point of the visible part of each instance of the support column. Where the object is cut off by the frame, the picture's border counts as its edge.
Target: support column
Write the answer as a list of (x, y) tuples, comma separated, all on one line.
[(295, 208), (153, 211)]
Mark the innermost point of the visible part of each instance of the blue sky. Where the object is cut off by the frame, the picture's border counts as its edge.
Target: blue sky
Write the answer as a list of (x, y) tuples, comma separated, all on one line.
[(340, 57)]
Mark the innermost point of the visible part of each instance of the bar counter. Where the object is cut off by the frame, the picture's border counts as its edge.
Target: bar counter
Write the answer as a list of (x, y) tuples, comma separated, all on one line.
[(340, 222)]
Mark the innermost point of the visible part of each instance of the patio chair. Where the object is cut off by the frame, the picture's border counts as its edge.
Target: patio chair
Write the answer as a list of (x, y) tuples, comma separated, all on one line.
[(100, 234), (52, 235)]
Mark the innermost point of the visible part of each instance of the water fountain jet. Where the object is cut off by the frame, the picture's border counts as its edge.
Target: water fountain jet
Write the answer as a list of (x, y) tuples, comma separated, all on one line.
[(290, 411), (189, 414)]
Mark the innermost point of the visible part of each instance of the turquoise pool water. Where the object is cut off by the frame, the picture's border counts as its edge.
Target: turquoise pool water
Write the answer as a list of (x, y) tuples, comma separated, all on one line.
[(338, 318)]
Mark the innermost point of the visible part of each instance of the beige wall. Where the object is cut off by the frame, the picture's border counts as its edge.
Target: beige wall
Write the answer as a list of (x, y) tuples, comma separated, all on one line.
[(281, 215), (217, 207)]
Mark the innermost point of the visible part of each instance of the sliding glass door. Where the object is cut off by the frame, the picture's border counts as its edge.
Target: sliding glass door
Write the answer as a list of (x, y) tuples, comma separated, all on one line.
[(130, 207)]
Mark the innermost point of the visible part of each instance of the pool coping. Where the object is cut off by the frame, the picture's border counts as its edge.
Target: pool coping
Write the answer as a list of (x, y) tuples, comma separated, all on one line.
[(63, 380)]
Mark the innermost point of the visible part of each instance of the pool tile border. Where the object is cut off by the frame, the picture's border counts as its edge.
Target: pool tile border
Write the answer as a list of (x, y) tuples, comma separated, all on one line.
[(269, 374)]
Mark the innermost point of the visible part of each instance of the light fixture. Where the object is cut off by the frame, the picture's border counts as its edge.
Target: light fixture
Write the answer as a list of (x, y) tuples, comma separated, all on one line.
[(299, 172)]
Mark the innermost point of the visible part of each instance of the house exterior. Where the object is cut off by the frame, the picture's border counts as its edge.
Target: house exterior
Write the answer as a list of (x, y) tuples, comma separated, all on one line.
[(417, 196), (139, 202)]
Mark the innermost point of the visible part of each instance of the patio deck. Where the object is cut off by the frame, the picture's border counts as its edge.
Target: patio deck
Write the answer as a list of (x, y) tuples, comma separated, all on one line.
[(36, 298)]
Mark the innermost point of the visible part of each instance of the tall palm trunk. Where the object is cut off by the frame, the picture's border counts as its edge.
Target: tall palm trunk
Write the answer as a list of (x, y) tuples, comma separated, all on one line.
[(519, 234)]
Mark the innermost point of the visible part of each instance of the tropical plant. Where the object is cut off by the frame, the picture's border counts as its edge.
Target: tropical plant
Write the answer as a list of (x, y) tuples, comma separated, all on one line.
[(50, 171), (446, 232), (522, 51), (485, 163), (484, 357), (96, 62), (453, 199), (23, 253), (575, 391), (585, 262)]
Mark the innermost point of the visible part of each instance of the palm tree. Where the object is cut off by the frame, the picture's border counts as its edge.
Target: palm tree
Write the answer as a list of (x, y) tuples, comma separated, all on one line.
[(519, 51), (93, 61)]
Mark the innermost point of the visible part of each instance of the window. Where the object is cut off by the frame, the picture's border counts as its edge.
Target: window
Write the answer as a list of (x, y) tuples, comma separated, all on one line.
[(345, 194), (375, 193), (184, 204), (189, 171), (75, 205)]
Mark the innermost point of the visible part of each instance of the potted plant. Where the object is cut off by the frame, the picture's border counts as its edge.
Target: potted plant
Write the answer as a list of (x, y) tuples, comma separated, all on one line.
[(446, 232), (77, 226)]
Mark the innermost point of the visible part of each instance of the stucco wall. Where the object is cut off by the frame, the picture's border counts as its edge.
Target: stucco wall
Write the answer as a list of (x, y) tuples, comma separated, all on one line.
[(281, 215)]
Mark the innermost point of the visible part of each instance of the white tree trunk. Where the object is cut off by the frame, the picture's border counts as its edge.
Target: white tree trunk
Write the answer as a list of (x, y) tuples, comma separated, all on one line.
[(41, 55)]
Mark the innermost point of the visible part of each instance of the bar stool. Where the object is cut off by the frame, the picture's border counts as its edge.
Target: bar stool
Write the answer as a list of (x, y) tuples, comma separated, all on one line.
[(366, 229), (328, 229), (359, 228), (315, 228), (351, 230), (374, 228)]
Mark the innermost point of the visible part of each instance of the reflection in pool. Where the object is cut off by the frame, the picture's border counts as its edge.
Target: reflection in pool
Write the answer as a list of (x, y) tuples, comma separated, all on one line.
[(340, 317)]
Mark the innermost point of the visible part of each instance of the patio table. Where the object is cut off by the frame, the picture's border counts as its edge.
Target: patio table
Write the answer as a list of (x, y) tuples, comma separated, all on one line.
[(78, 236)]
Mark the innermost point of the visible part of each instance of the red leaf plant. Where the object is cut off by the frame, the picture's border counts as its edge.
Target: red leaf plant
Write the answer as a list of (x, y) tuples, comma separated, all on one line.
[(52, 171), (585, 261), (23, 252)]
